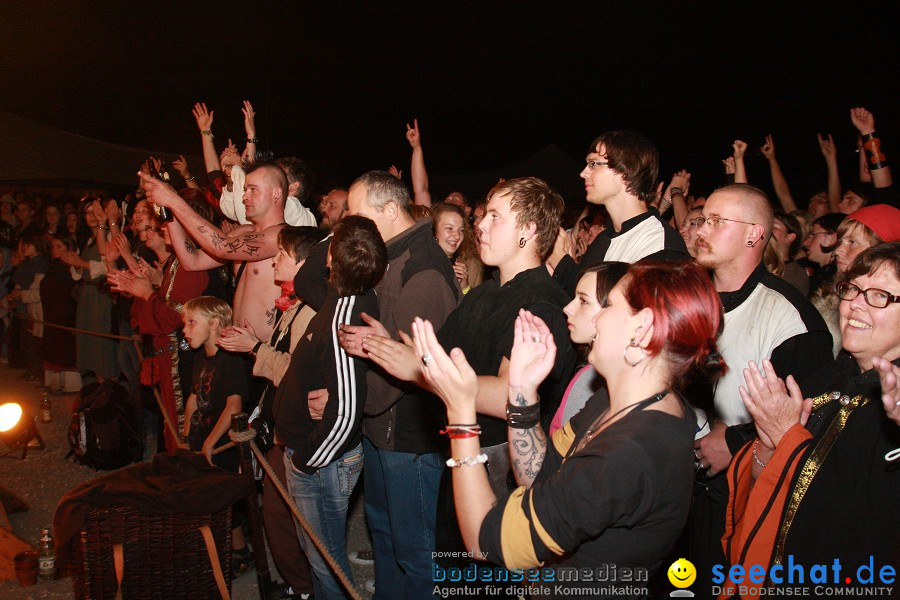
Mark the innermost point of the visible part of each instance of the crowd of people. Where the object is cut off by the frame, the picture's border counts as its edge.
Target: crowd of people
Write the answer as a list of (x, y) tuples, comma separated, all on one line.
[(673, 375)]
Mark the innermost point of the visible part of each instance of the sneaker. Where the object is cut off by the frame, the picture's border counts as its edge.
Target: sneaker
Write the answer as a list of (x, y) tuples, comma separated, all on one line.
[(241, 561), (286, 592), (370, 586), (363, 557)]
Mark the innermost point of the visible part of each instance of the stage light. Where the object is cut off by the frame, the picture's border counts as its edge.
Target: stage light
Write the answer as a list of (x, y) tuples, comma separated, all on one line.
[(18, 429)]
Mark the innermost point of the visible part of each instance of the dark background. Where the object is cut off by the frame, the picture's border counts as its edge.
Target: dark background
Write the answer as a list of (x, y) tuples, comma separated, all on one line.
[(490, 82)]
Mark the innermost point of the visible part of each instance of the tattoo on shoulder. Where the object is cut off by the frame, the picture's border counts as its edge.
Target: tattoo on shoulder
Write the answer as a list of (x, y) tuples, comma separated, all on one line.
[(270, 317)]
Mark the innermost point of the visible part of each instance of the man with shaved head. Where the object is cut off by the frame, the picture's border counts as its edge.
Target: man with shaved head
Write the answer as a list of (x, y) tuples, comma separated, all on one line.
[(765, 318), (252, 246)]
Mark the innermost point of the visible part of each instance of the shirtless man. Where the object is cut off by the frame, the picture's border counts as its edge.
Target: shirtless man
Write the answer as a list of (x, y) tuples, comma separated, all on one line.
[(254, 244)]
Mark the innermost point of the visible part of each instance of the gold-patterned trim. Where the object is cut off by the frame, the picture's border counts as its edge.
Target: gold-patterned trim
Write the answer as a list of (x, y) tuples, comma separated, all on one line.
[(811, 467)]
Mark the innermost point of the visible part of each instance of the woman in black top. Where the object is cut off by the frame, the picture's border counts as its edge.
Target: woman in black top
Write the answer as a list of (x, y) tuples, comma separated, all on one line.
[(614, 486)]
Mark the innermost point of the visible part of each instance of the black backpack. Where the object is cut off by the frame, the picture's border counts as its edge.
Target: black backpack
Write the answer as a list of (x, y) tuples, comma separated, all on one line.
[(103, 433)]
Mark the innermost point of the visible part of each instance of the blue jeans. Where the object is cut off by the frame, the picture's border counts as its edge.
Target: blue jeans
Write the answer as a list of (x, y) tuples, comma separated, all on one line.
[(323, 498), (401, 510)]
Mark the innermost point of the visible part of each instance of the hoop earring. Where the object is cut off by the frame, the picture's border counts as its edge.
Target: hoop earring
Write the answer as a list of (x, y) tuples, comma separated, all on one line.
[(521, 242), (633, 344)]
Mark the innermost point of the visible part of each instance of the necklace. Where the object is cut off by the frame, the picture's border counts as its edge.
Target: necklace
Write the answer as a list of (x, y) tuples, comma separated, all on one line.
[(600, 421)]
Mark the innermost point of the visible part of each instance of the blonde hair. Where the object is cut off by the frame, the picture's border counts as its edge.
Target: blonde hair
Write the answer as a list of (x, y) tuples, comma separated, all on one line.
[(209, 307)]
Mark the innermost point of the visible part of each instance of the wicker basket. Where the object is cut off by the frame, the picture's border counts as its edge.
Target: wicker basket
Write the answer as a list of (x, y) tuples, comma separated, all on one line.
[(165, 556)]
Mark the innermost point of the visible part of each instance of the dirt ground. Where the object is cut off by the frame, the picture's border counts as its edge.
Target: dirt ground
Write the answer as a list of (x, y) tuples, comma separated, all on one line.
[(45, 475)]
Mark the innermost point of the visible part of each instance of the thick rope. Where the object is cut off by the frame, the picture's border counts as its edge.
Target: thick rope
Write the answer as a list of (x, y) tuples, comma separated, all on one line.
[(248, 436)]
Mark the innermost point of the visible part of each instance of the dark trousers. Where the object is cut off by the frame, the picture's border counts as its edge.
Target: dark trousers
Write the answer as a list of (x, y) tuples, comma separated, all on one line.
[(278, 520)]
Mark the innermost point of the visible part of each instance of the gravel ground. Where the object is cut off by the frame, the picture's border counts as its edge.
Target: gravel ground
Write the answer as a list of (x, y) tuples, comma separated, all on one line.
[(45, 475)]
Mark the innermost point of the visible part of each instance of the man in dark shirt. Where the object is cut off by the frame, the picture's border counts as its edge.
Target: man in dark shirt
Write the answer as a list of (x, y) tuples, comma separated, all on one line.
[(621, 172), (404, 452)]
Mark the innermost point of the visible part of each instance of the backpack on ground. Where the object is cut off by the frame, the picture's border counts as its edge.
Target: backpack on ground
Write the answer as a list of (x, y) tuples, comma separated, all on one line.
[(103, 433)]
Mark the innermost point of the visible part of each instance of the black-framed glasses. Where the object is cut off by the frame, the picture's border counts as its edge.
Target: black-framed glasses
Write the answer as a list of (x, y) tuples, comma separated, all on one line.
[(873, 296), (593, 164), (714, 222)]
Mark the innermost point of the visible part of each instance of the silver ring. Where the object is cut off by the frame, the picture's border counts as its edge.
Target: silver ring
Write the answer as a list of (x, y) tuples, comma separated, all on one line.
[(427, 360), (700, 465), (535, 338)]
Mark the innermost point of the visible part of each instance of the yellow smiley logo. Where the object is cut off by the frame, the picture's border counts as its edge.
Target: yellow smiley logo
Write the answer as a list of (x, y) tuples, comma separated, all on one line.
[(682, 573)]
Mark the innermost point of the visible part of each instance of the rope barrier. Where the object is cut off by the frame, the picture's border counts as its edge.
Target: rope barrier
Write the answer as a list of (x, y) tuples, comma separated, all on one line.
[(136, 339), (236, 438), (248, 437)]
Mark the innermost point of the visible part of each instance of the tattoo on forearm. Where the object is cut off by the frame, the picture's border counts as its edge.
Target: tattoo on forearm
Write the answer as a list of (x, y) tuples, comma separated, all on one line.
[(529, 447), (189, 246)]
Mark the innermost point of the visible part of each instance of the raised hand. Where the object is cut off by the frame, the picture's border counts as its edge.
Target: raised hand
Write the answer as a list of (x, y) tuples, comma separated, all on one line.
[(728, 163), (863, 120), (451, 377), (395, 172), (768, 149), (98, 211), (204, 117), (113, 249), (158, 192), (412, 134), (533, 353), (775, 406), (180, 165), (249, 115), (739, 147), (113, 214), (827, 147), (681, 180)]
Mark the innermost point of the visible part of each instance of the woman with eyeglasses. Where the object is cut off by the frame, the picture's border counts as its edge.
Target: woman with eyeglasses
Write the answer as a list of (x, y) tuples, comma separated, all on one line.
[(818, 483), (862, 229)]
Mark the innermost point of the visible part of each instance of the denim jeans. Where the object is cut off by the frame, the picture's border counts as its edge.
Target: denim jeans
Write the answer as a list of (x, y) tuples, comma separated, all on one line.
[(401, 510), (323, 498)]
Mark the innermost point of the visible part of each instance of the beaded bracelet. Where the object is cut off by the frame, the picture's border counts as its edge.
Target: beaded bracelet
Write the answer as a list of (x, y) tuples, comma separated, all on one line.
[(468, 461), (756, 458)]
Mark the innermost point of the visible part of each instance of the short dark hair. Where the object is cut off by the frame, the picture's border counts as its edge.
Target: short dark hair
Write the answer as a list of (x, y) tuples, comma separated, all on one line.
[(358, 255), (381, 188), (299, 240), (281, 178), (38, 239), (534, 201), (634, 157), (297, 172)]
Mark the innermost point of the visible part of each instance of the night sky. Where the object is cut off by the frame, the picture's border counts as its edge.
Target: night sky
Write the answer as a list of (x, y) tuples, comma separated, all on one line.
[(490, 83)]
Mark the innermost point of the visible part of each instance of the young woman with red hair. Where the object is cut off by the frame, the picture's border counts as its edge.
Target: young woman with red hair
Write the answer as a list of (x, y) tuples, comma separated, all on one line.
[(614, 486)]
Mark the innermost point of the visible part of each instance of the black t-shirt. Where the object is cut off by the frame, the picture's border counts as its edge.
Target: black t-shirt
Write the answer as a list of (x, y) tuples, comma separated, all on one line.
[(215, 378), (622, 499), (482, 327)]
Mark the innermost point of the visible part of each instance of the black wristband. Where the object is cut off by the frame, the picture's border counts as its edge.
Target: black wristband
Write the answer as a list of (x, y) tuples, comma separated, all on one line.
[(253, 140), (256, 348), (523, 417)]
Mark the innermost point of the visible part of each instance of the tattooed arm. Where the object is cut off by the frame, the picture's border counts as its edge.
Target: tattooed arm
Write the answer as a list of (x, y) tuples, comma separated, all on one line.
[(527, 447), (190, 257), (530, 361), (243, 243)]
